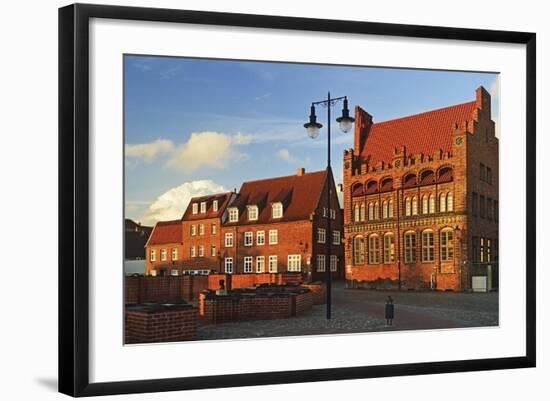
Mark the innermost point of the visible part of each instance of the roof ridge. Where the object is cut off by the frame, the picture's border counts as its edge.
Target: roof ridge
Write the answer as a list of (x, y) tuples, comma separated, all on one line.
[(424, 112), (280, 177)]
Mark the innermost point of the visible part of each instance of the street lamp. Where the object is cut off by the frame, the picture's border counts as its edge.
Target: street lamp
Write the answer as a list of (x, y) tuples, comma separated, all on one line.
[(313, 127)]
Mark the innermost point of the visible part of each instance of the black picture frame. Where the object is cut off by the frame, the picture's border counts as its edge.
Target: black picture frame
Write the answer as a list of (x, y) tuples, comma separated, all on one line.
[(74, 198)]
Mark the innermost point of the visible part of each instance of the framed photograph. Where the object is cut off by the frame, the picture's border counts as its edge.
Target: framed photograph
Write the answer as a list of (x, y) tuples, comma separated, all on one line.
[(251, 199)]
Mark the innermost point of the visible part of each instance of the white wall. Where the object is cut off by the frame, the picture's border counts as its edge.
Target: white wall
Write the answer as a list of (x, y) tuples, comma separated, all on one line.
[(28, 172)]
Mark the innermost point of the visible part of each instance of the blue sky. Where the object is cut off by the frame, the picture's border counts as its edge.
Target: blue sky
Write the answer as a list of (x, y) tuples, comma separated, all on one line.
[(195, 126)]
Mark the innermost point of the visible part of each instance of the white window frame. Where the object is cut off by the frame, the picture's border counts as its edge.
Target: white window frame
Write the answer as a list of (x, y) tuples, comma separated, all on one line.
[(321, 235), (321, 262), (336, 237), (193, 230), (247, 264), (212, 250), (260, 237), (163, 255), (195, 208), (153, 273), (201, 251), (273, 263), (273, 237), (333, 263), (252, 212), (215, 205), (213, 228), (248, 238), (233, 214), (192, 251), (277, 210), (260, 264), (174, 272), (294, 263), (228, 265), (174, 253), (153, 255), (203, 207), (201, 229), (228, 240)]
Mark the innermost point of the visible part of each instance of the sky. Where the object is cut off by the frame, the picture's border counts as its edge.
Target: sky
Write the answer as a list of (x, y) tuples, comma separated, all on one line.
[(199, 126)]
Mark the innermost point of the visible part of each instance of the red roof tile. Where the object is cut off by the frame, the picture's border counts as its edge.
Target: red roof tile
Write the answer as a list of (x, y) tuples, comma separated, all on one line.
[(420, 133), (222, 199), (166, 232), (299, 195)]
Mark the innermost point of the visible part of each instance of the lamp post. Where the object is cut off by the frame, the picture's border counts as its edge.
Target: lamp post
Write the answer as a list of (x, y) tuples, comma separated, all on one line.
[(313, 128)]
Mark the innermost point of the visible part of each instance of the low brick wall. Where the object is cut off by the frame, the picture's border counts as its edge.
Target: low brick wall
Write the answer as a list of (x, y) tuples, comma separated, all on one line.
[(302, 303), (319, 292), (152, 323)]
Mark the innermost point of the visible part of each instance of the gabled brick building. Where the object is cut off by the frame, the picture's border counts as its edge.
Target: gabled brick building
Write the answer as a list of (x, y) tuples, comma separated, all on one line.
[(164, 248), (421, 198)]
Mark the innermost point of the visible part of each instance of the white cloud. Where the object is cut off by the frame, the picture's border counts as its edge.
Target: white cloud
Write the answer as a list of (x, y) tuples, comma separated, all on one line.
[(285, 155), (172, 204), (148, 152)]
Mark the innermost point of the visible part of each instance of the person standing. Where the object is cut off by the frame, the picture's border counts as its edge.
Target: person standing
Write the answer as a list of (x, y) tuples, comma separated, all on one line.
[(389, 311)]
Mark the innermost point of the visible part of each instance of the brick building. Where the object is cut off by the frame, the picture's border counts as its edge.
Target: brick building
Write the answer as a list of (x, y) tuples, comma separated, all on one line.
[(164, 249), (276, 225), (135, 238), (421, 199)]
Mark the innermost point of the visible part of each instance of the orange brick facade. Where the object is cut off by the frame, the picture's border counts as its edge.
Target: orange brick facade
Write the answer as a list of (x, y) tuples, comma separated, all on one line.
[(427, 219)]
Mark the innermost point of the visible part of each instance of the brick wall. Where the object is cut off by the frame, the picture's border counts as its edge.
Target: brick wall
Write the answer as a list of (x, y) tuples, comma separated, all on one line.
[(318, 292), (158, 323)]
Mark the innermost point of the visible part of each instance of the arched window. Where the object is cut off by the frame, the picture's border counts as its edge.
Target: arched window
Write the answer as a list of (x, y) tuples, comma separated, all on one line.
[(410, 246), (376, 211), (431, 204), (407, 206), (425, 204), (357, 189), (450, 204), (442, 203), (362, 213), (445, 174), (427, 177), (356, 213), (371, 211), (446, 244), (385, 209), (390, 208), (414, 206), (374, 249), (358, 250), (409, 180), (389, 248), (371, 187), (386, 185), (428, 248)]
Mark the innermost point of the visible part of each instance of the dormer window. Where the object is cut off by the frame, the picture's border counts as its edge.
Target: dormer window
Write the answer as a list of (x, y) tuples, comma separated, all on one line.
[(252, 212), (215, 205), (277, 210), (195, 208), (233, 214), (203, 207)]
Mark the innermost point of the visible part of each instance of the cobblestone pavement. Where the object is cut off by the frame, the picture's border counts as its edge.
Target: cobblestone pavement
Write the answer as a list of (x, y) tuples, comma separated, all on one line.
[(363, 311)]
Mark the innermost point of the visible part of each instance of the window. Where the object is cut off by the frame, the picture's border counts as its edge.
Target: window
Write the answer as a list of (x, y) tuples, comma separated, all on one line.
[(442, 203), (428, 248), (333, 214), (333, 263), (320, 263), (229, 265), (248, 238), (203, 207), (321, 235), (201, 229), (362, 212), (482, 250), (233, 214), (356, 213), (215, 205), (371, 211), (425, 204), (213, 228), (482, 172), (153, 255), (273, 236), (294, 263), (390, 209), (174, 253), (410, 247), (201, 251), (389, 248), (475, 201), (228, 239), (260, 237), (260, 264), (489, 175), (193, 229), (273, 263), (195, 208), (174, 272), (212, 250), (446, 244), (192, 251), (252, 212), (324, 212), (374, 249), (163, 254), (384, 209), (376, 211), (153, 273), (358, 250), (248, 264), (407, 206), (414, 207), (450, 203), (431, 203), (336, 238), (488, 250), (482, 206), (277, 210)]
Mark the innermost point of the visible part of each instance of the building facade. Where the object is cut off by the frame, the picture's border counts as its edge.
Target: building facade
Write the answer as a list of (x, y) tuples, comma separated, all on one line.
[(164, 249), (421, 199)]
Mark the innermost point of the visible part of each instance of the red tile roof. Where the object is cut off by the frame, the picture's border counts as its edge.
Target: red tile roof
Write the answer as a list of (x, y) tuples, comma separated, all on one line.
[(222, 199), (299, 195), (420, 133), (166, 232)]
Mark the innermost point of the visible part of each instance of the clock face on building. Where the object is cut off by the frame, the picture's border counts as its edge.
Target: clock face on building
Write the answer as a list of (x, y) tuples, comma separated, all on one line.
[(458, 140), (398, 163)]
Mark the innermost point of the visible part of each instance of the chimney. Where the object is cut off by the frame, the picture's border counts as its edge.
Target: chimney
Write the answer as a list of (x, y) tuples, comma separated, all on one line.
[(363, 123), (483, 100), (340, 187), (300, 172)]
